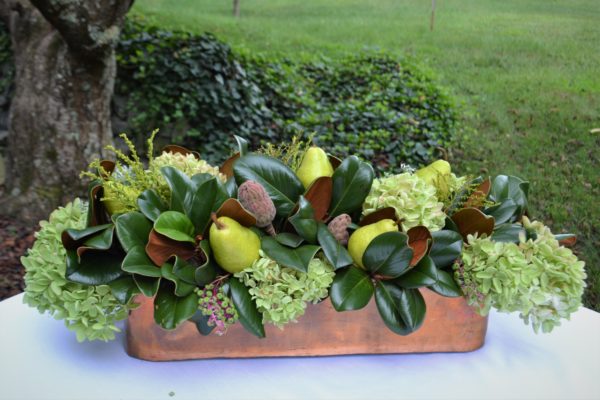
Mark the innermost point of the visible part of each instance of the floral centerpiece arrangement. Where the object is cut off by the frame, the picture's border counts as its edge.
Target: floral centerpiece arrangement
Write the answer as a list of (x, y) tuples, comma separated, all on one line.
[(256, 240)]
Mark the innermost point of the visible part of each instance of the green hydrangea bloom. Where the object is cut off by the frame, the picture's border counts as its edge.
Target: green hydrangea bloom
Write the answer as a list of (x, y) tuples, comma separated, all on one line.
[(539, 278), (188, 164), (414, 200), (90, 311), (281, 293)]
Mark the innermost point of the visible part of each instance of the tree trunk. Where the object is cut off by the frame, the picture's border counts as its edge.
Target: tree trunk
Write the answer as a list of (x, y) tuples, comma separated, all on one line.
[(60, 112), (236, 8)]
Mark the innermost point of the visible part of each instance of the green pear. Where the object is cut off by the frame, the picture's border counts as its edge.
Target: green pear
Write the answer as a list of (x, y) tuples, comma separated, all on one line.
[(234, 246), (434, 171), (314, 165), (360, 239)]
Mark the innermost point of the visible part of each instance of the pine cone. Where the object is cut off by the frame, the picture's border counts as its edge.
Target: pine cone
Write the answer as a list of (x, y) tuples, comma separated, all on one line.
[(339, 228), (255, 199)]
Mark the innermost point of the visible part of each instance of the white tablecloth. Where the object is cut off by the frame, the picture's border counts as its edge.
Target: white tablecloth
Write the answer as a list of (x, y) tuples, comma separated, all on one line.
[(40, 359)]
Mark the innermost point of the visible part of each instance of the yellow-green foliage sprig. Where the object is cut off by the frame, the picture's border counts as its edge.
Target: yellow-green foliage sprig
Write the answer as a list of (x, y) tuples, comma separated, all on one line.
[(131, 177)]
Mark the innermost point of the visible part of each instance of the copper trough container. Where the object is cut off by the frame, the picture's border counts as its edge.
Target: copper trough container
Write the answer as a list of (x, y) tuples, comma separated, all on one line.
[(450, 326)]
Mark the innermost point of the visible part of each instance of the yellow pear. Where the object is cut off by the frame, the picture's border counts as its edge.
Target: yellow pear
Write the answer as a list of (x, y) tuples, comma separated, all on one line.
[(314, 165), (433, 171), (360, 239), (234, 246)]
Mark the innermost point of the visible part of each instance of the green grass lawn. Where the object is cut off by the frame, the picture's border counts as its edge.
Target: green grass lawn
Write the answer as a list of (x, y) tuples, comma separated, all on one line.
[(527, 70)]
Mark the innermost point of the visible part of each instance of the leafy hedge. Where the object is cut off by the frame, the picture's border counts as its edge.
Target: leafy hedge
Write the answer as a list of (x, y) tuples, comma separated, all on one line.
[(199, 92)]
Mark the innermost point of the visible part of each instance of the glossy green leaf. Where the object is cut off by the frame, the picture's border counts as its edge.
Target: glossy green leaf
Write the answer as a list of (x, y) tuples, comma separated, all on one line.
[(74, 238), (297, 258), (388, 254), (505, 187), (93, 267), (445, 285), (242, 145), (147, 286), (151, 205), (352, 182), (207, 272), (248, 313), (508, 233), (171, 310), (176, 226), (336, 254), (289, 239), (421, 275), (102, 240), (231, 188), (182, 288), (280, 182), (304, 221), (180, 185), (446, 247), (502, 212), (203, 202), (351, 289), (201, 322), (137, 262), (133, 229), (184, 270), (402, 310), (124, 289)]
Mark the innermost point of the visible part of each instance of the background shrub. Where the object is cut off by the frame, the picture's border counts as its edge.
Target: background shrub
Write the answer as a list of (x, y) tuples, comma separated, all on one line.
[(199, 93)]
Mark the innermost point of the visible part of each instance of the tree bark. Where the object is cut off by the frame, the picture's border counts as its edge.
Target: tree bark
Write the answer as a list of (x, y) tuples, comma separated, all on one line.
[(236, 8), (60, 111)]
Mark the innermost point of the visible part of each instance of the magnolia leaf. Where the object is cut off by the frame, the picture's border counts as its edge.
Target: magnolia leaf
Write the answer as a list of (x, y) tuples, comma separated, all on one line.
[(336, 254), (180, 184), (233, 209), (304, 221), (376, 216), (298, 258), (471, 221), (74, 238), (402, 310), (280, 182), (506, 187), (124, 289), (147, 286), (176, 226), (97, 214), (319, 196), (151, 205), (351, 289), (171, 310), (133, 230), (175, 149), (242, 145), (248, 313), (446, 247), (160, 248), (388, 255), (352, 182), (423, 274), (289, 239), (508, 233), (445, 285), (137, 262), (227, 167), (93, 267), (502, 212), (419, 239), (182, 288), (201, 322)]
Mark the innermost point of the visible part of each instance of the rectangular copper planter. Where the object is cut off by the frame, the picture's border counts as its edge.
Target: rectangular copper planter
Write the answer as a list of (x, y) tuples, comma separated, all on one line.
[(450, 326)]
